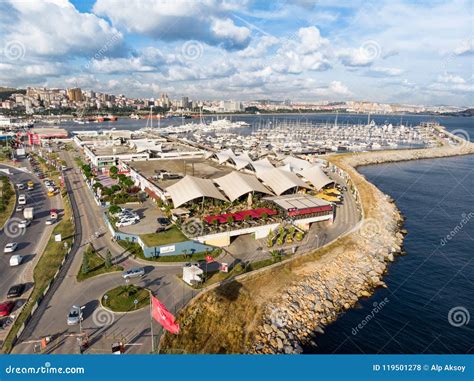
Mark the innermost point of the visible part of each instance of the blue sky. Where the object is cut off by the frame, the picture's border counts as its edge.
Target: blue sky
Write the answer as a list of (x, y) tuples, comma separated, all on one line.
[(411, 52)]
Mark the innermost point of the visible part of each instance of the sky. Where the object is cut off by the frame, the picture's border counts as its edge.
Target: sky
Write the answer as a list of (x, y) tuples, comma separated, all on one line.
[(410, 52)]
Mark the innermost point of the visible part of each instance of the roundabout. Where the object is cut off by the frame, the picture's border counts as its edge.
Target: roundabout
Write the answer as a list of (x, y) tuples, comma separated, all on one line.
[(126, 298)]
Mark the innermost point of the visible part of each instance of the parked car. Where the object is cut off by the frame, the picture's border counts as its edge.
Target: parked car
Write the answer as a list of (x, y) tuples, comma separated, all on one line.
[(20, 186), (10, 247), (23, 224), (19, 208), (22, 199), (6, 308), (16, 290), (163, 221), (15, 260), (74, 316), (126, 222), (133, 273)]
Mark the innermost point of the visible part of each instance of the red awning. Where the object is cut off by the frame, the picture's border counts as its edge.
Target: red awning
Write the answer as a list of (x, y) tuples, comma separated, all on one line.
[(325, 208)]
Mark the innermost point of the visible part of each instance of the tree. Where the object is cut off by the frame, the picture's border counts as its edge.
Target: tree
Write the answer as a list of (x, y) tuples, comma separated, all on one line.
[(113, 171), (85, 263), (108, 259)]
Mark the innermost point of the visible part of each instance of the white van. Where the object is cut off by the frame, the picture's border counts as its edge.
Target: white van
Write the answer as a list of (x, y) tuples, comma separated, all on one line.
[(22, 199), (15, 260)]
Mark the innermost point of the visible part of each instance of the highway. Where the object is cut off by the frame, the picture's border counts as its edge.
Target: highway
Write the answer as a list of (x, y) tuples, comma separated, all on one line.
[(30, 240)]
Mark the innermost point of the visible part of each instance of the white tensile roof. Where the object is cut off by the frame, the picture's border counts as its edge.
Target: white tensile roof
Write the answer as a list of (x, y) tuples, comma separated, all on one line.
[(316, 176), (241, 161), (236, 184), (288, 168), (223, 156), (262, 165), (190, 188), (280, 180), (296, 163)]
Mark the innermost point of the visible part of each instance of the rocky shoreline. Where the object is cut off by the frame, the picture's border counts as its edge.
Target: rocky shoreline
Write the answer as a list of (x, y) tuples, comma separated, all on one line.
[(345, 275), (349, 271)]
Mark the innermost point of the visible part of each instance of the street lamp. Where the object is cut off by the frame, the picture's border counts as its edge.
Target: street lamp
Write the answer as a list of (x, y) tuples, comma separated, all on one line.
[(136, 303), (105, 298)]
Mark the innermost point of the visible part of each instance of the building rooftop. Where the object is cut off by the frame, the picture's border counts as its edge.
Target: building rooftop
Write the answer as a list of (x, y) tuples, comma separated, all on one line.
[(198, 167), (297, 202)]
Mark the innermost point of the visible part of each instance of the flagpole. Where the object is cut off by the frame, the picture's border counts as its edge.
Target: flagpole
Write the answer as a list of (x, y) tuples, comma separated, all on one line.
[(151, 325)]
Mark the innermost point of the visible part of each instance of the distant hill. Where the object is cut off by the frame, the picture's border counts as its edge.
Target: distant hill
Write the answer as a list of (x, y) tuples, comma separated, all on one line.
[(468, 112), (5, 92)]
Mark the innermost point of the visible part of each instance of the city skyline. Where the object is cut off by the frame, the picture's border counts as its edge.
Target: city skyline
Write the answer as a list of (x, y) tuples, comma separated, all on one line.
[(244, 50)]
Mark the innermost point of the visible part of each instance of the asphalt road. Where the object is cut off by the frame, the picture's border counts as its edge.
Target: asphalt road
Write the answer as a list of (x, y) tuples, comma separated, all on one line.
[(30, 239), (102, 327)]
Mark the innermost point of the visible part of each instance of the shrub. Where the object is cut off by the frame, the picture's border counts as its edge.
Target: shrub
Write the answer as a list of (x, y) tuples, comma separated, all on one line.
[(114, 209)]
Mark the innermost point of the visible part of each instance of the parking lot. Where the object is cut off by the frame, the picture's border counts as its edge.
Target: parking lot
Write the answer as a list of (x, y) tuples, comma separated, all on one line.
[(148, 213)]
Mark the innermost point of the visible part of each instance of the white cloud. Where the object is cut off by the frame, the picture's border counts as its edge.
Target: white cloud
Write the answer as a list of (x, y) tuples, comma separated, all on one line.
[(55, 28), (378, 71), (259, 49), (304, 53), (204, 20), (465, 47), (310, 40), (451, 78)]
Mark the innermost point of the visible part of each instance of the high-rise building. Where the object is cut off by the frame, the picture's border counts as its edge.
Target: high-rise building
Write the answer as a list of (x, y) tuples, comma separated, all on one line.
[(165, 101), (185, 102), (74, 94)]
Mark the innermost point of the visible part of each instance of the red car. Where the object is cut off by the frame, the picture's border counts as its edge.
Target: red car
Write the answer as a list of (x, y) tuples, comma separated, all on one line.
[(6, 308)]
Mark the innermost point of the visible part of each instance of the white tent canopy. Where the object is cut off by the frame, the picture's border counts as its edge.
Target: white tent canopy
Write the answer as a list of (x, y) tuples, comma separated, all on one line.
[(280, 181), (236, 184), (223, 156), (296, 163), (190, 188), (316, 176), (262, 165)]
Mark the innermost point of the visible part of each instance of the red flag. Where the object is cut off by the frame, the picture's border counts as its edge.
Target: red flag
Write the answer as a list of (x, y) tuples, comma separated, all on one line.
[(163, 316), (209, 259)]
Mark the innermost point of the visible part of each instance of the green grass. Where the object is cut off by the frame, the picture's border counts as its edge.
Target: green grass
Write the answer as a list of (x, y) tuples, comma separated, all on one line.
[(171, 235), (136, 250), (96, 266), (121, 298), (9, 204), (217, 276)]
